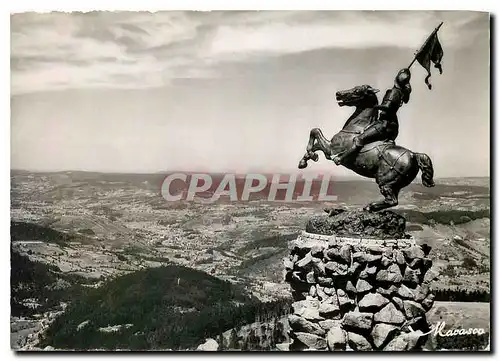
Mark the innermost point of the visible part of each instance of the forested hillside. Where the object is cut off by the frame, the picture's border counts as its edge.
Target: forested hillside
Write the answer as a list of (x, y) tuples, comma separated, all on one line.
[(170, 307)]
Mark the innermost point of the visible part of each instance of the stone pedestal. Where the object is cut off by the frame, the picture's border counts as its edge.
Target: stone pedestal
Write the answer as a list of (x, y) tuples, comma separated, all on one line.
[(359, 294)]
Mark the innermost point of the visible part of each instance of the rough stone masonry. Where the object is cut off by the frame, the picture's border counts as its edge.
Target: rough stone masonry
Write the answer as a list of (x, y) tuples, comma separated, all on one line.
[(357, 293)]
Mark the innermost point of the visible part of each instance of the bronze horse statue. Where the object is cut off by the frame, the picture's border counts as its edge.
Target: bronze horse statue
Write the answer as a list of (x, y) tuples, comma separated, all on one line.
[(393, 167)]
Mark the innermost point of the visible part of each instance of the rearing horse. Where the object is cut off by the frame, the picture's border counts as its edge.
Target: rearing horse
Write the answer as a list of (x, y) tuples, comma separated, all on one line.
[(392, 166)]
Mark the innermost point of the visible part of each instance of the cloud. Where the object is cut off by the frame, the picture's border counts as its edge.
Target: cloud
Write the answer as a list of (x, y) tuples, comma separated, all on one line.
[(345, 31), (75, 50), (54, 51)]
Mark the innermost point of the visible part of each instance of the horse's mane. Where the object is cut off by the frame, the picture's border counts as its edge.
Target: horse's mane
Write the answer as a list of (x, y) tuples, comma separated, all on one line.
[(360, 109)]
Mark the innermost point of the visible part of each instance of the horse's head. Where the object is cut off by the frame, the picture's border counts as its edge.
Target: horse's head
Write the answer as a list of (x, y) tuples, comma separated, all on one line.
[(363, 96)]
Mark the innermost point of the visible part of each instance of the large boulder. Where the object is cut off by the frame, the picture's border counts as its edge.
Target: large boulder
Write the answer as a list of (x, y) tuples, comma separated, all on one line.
[(209, 345), (350, 287), (381, 225), (390, 314), (321, 293), (308, 309), (329, 324), (372, 302), (325, 281), (345, 253), (398, 302), (413, 252), (336, 268), (430, 275), (382, 332), (344, 299), (285, 346), (288, 263), (358, 320), (354, 268), (330, 307), (399, 257), (358, 342), (413, 309), (421, 292), (336, 339), (405, 342), (305, 262), (386, 261), (364, 257), (392, 289), (411, 276), (310, 340), (428, 302), (300, 324), (363, 286), (391, 274), (405, 292)]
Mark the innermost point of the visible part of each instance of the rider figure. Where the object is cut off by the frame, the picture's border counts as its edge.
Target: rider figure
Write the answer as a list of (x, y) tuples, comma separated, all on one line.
[(386, 128)]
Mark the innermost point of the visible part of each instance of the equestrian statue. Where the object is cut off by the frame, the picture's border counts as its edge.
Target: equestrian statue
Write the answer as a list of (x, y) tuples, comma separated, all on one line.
[(366, 143)]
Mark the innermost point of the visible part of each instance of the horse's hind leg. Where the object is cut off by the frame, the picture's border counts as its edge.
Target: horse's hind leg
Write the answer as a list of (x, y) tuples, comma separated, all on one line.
[(390, 193)]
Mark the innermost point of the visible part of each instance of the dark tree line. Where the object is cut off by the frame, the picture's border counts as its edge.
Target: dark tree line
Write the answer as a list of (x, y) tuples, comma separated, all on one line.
[(463, 342), (268, 311), (461, 295), (443, 217)]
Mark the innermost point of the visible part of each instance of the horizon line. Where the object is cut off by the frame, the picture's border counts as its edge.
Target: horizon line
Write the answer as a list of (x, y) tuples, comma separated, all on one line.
[(356, 177)]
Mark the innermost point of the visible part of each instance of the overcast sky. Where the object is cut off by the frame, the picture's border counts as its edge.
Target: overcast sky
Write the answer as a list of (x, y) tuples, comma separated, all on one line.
[(235, 91)]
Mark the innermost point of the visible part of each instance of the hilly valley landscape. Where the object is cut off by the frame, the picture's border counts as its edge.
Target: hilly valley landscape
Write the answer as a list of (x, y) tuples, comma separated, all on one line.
[(103, 261)]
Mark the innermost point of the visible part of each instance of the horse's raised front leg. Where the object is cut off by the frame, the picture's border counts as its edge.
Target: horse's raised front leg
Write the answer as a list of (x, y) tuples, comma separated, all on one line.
[(322, 143), (317, 141), (306, 157), (309, 153)]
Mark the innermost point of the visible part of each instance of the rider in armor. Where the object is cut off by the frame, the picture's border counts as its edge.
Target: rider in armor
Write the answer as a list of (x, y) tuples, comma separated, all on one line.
[(386, 128)]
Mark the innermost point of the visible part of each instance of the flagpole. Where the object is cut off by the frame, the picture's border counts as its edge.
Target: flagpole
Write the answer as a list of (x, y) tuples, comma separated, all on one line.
[(423, 46)]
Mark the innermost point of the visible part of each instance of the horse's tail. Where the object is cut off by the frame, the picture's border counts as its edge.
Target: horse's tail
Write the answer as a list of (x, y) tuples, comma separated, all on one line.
[(425, 165)]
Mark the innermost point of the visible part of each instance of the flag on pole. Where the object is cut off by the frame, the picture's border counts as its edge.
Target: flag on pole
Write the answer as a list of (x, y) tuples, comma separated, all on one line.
[(431, 51)]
